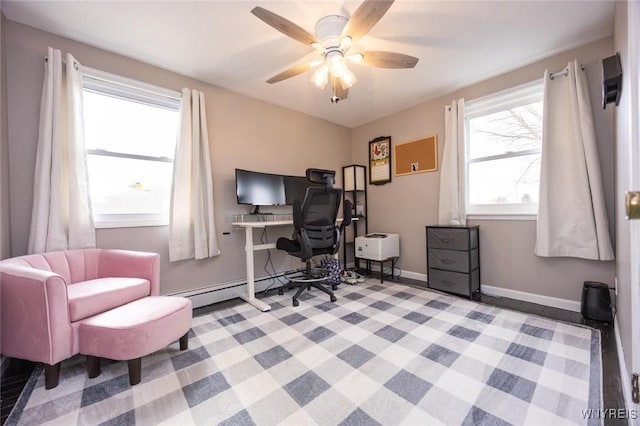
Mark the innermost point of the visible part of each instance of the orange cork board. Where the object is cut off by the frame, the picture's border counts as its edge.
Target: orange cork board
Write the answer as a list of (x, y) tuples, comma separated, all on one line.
[(416, 157)]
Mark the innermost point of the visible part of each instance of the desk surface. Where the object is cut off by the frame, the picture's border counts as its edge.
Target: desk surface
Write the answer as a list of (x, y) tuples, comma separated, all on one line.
[(262, 224)]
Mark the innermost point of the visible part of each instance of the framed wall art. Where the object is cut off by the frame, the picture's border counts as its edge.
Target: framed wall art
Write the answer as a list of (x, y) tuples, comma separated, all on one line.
[(380, 160), (417, 156)]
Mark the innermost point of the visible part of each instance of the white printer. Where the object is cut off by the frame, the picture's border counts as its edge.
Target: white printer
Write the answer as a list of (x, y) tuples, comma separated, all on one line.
[(378, 246)]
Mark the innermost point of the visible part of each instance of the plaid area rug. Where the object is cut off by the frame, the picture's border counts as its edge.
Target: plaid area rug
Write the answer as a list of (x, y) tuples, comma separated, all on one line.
[(384, 354)]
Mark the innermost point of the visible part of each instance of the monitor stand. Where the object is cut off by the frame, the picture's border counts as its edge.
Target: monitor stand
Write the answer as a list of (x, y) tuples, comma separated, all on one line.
[(256, 210)]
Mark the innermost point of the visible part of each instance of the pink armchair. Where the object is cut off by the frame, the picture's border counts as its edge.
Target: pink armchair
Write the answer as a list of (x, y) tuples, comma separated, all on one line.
[(44, 298)]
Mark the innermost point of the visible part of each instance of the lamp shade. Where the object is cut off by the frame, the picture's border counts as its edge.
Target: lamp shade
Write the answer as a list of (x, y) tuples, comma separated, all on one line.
[(354, 177)]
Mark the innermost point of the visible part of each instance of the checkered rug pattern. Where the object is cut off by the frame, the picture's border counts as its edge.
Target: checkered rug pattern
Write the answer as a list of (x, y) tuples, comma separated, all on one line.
[(383, 354)]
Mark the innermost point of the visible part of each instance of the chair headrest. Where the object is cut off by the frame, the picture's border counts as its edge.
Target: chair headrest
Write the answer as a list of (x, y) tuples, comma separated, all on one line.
[(328, 177)]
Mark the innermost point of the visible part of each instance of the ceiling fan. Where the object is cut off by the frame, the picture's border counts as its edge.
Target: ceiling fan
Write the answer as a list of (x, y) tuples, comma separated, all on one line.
[(334, 36)]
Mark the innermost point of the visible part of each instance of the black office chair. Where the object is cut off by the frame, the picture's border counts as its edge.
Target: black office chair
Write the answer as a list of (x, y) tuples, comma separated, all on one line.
[(315, 231)]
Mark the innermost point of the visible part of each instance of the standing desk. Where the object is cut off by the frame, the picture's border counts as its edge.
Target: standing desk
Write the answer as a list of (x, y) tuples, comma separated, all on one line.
[(249, 248)]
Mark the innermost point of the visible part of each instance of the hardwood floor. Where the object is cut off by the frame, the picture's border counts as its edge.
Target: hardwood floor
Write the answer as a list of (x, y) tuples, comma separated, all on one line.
[(17, 373)]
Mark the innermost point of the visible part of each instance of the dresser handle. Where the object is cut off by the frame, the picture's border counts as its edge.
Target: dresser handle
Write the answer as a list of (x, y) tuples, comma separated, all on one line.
[(448, 261)]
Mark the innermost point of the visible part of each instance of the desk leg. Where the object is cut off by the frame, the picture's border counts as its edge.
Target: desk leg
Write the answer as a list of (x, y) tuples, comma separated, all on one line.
[(251, 291)]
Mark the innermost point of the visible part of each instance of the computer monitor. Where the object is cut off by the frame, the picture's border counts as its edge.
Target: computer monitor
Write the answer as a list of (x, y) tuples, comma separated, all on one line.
[(259, 189), (267, 189)]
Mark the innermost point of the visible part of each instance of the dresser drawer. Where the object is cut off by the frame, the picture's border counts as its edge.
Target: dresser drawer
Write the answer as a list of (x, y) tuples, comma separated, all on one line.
[(452, 238), (455, 282), (453, 260)]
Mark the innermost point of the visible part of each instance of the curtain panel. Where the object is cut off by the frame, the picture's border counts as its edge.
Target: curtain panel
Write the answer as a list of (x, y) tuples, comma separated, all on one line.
[(61, 216), (452, 200), (192, 231), (572, 218)]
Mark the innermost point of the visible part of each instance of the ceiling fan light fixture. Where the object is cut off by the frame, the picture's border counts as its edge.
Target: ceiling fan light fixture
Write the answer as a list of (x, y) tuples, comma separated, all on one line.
[(320, 77), (337, 64), (348, 79), (345, 43), (334, 36), (356, 57)]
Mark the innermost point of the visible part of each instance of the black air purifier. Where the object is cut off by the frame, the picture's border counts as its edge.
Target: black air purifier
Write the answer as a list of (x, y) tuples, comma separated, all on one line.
[(596, 302)]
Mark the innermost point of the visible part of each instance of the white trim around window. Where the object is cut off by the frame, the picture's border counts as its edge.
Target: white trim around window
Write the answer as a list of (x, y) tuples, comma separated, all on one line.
[(490, 104), (126, 89)]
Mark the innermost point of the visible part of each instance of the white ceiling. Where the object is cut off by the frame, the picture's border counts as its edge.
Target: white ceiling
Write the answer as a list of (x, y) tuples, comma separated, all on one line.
[(221, 42)]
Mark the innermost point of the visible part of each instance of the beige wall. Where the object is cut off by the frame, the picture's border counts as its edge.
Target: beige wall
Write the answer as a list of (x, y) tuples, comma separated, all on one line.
[(5, 229), (251, 134), (244, 133), (623, 184), (409, 203)]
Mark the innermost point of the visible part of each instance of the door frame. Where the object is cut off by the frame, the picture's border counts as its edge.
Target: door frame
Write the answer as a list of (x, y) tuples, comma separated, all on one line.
[(633, 37)]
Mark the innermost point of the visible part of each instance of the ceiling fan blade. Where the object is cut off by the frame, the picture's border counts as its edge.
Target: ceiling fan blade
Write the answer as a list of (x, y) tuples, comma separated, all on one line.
[(338, 91), (365, 17), (285, 26), (381, 59), (291, 72)]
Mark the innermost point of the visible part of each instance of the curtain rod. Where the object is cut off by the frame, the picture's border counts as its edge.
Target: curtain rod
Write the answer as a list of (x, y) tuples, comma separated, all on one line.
[(64, 61), (107, 77), (564, 72)]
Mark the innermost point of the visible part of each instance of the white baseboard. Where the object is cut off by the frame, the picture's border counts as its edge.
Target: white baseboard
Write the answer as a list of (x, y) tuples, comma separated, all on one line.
[(489, 290), (220, 292), (414, 275), (625, 377), (555, 302), (406, 274)]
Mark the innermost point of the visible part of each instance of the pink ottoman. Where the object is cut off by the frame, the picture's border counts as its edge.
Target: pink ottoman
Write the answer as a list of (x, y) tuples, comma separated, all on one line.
[(134, 330)]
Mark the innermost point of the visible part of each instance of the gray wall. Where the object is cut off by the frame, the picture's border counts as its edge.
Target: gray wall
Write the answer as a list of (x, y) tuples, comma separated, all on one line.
[(5, 229), (244, 133), (409, 203)]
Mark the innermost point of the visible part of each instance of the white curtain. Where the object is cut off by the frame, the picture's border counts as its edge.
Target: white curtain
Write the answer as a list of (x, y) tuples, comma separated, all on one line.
[(451, 206), (192, 231), (572, 219), (61, 217)]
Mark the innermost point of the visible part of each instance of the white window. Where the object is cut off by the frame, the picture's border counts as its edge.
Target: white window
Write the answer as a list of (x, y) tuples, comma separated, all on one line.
[(130, 136), (503, 140)]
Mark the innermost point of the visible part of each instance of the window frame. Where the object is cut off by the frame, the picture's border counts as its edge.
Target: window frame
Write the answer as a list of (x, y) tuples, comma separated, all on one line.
[(104, 83), (517, 96)]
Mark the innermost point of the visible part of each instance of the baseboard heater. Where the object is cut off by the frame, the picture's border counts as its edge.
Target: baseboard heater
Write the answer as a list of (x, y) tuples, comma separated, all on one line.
[(230, 290)]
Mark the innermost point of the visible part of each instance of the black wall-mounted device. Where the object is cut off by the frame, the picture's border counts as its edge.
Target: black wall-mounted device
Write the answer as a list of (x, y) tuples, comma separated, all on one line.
[(611, 80)]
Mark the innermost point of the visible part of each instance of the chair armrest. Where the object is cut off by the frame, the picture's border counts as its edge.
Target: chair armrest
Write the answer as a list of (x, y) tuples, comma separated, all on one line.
[(35, 322), (132, 264)]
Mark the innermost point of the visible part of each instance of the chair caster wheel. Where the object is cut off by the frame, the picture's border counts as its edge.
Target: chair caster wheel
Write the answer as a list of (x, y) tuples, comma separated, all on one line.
[(295, 303), (280, 291), (333, 298), (334, 287)]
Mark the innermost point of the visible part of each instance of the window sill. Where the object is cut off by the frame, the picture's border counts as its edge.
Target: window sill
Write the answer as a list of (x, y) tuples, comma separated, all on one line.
[(129, 221), (505, 217), (111, 225)]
